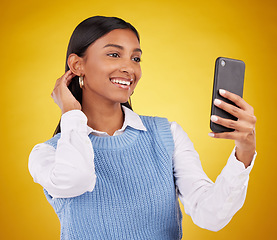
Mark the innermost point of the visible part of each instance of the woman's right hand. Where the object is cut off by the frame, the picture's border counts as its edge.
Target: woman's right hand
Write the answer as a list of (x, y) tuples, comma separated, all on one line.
[(62, 95)]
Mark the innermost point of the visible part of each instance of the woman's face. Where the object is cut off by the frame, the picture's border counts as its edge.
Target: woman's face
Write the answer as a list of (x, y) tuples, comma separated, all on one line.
[(112, 67)]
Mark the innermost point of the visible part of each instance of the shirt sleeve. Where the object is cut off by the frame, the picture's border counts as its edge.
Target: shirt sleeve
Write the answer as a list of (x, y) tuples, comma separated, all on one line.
[(68, 170), (211, 205)]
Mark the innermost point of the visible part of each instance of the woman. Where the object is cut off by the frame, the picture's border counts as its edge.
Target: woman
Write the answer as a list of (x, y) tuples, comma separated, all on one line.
[(112, 174)]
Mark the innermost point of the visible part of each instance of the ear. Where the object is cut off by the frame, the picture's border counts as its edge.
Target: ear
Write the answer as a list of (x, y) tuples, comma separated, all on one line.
[(75, 64)]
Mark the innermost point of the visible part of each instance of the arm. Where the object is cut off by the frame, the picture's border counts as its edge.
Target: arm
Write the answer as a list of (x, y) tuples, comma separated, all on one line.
[(67, 171), (211, 205)]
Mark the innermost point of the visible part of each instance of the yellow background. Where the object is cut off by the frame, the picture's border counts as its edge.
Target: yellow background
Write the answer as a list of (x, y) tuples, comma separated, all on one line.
[(180, 41)]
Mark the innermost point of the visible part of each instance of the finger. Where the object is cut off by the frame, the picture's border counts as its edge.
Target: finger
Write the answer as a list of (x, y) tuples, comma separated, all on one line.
[(63, 79), (241, 126), (225, 135), (240, 102), (237, 112), (67, 77), (237, 136), (233, 110)]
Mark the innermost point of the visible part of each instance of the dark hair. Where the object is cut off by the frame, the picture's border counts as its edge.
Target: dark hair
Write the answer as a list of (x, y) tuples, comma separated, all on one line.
[(82, 37)]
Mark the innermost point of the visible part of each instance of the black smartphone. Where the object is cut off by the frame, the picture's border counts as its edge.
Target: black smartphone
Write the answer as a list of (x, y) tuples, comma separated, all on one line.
[(228, 75)]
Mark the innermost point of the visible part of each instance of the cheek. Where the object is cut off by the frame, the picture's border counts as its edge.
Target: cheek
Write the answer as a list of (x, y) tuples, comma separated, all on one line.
[(98, 69), (138, 76), (138, 72)]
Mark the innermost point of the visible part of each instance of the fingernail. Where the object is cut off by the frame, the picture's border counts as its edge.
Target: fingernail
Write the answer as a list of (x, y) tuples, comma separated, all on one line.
[(214, 118), (211, 134), (222, 91), (217, 102)]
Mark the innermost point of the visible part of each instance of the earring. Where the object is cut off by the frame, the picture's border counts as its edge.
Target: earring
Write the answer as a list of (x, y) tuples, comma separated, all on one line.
[(81, 81)]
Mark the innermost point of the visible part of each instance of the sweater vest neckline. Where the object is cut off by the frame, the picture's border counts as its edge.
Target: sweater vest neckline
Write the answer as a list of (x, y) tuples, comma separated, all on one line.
[(115, 142)]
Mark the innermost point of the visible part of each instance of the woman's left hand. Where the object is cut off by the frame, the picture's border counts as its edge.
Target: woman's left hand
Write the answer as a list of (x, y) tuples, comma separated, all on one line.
[(244, 134)]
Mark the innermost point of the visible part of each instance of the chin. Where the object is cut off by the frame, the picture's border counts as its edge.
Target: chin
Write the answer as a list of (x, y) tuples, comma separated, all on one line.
[(123, 99)]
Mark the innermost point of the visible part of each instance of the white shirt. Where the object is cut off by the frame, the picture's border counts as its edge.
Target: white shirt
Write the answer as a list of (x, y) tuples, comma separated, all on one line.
[(68, 171)]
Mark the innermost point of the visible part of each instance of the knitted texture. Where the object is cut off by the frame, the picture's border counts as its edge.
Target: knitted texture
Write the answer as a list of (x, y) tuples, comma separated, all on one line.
[(134, 196)]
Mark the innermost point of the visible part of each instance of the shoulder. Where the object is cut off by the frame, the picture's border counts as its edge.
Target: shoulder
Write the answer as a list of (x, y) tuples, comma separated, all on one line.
[(54, 140), (160, 128), (159, 122)]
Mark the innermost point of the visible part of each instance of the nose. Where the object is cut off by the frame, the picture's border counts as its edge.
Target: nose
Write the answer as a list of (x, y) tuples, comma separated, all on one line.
[(126, 67)]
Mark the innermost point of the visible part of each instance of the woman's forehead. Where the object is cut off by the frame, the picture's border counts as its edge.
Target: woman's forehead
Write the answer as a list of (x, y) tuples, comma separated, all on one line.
[(122, 37)]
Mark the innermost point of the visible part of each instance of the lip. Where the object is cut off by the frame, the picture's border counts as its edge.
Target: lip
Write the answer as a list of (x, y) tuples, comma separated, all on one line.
[(122, 78), (122, 86)]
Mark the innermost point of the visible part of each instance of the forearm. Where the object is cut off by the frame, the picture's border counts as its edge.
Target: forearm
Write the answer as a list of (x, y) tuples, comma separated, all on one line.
[(212, 205)]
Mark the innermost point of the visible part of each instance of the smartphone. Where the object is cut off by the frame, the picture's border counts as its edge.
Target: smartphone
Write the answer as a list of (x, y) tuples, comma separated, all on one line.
[(228, 75)]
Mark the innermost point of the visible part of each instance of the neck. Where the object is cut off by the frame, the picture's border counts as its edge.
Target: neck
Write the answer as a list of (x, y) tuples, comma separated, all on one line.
[(104, 117)]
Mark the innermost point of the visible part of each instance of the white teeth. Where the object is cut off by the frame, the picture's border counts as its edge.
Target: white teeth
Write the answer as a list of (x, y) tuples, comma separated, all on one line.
[(121, 82)]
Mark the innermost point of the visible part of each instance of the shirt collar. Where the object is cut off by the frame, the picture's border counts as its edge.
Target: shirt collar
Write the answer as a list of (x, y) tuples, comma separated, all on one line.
[(131, 119)]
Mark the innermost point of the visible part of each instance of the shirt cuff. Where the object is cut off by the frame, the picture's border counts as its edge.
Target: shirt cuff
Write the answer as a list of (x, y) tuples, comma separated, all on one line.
[(238, 164), (74, 119), (235, 171)]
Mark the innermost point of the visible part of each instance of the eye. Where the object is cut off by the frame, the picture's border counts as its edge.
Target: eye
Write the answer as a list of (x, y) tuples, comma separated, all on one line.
[(136, 59), (115, 55)]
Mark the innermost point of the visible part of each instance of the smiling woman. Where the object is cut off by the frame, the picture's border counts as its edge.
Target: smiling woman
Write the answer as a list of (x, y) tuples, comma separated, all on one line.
[(110, 173), (78, 52)]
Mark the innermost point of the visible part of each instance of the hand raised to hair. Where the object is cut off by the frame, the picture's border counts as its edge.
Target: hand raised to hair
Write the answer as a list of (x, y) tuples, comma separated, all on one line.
[(244, 134), (62, 95)]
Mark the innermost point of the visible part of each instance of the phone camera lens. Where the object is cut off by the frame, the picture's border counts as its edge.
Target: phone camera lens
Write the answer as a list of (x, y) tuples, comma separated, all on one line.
[(223, 63)]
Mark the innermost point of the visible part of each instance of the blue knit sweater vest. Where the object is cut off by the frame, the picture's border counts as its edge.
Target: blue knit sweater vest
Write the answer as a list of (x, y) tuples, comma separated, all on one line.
[(134, 196)]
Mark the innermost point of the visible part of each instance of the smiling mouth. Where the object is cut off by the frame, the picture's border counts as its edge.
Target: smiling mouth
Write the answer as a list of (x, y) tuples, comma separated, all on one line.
[(122, 83)]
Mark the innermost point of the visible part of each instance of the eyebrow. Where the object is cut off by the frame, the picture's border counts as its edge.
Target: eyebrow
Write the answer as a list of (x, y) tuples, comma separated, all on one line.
[(121, 47)]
